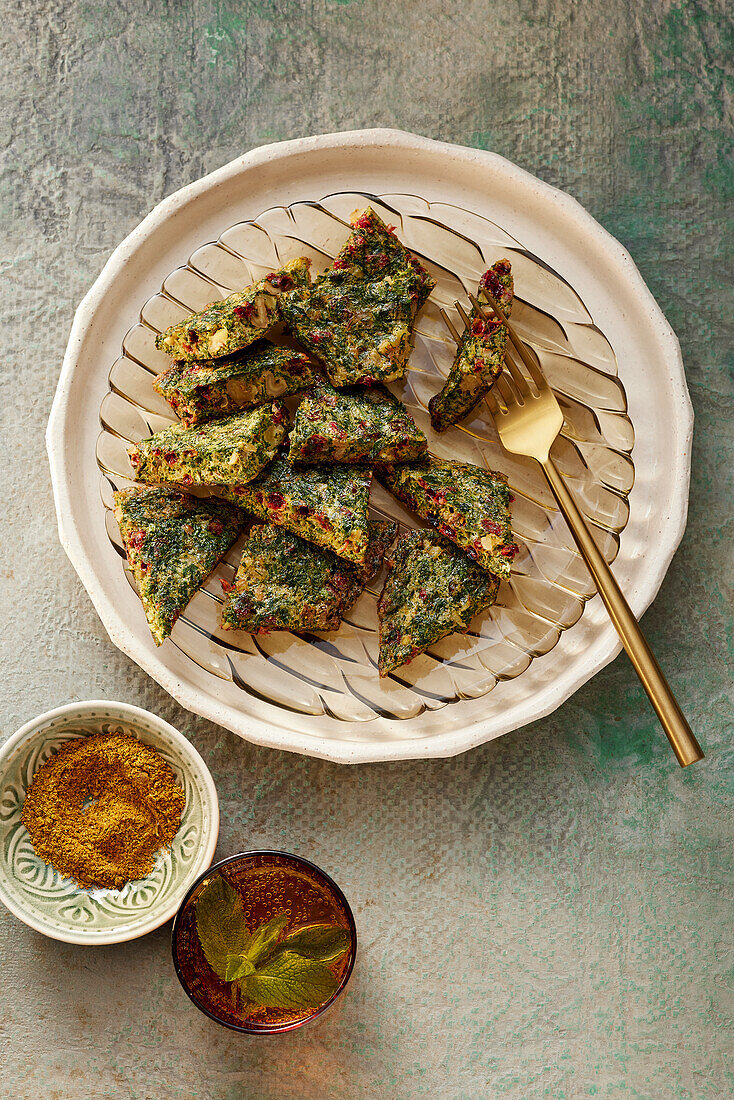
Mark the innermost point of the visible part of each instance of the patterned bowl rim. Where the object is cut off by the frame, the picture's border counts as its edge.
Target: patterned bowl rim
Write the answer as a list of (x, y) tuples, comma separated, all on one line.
[(209, 836), (268, 162)]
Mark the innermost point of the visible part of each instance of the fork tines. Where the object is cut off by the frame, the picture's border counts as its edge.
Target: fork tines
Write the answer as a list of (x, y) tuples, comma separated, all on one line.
[(449, 324)]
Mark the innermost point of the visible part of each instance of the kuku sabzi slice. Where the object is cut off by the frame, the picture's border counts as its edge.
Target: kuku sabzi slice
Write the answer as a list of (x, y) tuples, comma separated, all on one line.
[(172, 541), (358, 317), (207, 390), (479, 356), (359, 329), (355, 426), (432, 590), (326, 505), (226, 452), (467, 504), (373, 251), (235, 322), (286, 583)]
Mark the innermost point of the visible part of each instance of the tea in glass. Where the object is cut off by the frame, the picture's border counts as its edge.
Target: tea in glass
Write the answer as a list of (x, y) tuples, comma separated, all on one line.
[(264, 942)]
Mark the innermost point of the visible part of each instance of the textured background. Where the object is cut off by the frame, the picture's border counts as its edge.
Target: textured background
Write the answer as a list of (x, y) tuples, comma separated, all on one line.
[(544, 916)]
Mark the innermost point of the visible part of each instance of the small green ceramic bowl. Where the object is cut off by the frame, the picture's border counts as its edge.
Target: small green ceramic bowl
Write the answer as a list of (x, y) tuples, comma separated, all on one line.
[(38, 895)]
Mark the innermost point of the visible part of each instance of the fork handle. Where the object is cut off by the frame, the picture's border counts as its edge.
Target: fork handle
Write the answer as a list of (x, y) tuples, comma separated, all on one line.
[(679, 733)]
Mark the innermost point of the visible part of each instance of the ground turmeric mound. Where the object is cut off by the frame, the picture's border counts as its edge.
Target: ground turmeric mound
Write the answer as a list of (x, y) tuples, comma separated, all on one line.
[(101, 807)]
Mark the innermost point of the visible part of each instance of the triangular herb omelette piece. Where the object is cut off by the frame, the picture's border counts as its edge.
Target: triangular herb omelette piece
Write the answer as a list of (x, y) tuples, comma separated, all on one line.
[(479, 356), (213, 388), (172, 541), (326, 505), (374, 251), (224, 452), (286, 583), (231, 324), (359, 329), (465, 503), (432, 590), (354, 425), (358, 317)]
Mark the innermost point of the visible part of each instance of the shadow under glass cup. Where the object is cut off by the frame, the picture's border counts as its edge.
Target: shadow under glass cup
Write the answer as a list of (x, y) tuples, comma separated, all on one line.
[(269, 883)]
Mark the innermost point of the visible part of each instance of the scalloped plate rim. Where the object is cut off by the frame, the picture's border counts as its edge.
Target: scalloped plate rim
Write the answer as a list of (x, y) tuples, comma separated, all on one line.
[(606, 645)]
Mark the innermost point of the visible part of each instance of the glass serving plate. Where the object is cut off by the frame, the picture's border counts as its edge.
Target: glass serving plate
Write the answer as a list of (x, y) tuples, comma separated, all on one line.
[(609, 353), (335, 674)]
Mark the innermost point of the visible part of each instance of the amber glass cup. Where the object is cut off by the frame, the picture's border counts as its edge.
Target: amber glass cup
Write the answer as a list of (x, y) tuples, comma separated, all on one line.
[(268, 883)]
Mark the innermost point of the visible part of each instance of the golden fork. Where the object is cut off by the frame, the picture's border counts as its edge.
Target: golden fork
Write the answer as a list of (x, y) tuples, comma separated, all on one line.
[(528, 422)]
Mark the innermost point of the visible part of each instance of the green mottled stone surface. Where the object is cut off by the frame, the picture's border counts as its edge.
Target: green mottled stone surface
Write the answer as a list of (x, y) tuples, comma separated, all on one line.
[(546, 916)]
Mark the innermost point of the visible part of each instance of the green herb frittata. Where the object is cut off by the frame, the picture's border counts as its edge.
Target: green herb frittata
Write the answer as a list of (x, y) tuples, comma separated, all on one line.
[(431, 590), (479, 356), (231, 324), (286, 583), (172, 541), (358, 316), (214, 388), (225, 452), (465, 503), (360, 330), (354, 425), (326, 505), (373, 251)]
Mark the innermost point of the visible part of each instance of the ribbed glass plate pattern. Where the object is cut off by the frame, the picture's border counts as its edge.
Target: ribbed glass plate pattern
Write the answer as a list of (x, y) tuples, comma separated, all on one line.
[(336, 674)]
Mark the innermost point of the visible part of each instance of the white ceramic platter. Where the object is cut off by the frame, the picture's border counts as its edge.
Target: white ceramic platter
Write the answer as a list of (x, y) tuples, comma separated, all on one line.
[(602, 340)]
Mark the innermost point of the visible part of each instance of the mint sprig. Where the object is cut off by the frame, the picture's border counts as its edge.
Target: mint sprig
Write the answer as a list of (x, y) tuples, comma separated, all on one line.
[(220, 923), (265, 937), (271, 970), (290, 981), (324, 942)]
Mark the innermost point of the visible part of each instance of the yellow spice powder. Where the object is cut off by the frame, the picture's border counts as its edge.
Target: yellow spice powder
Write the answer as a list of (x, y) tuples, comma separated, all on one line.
[(101, 807)]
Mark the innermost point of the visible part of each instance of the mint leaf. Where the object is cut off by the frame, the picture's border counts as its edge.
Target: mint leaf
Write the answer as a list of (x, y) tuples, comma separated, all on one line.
[(290, 981), (237, 966), (318, 941), (290, 974), (220, 923), (264, 938)]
